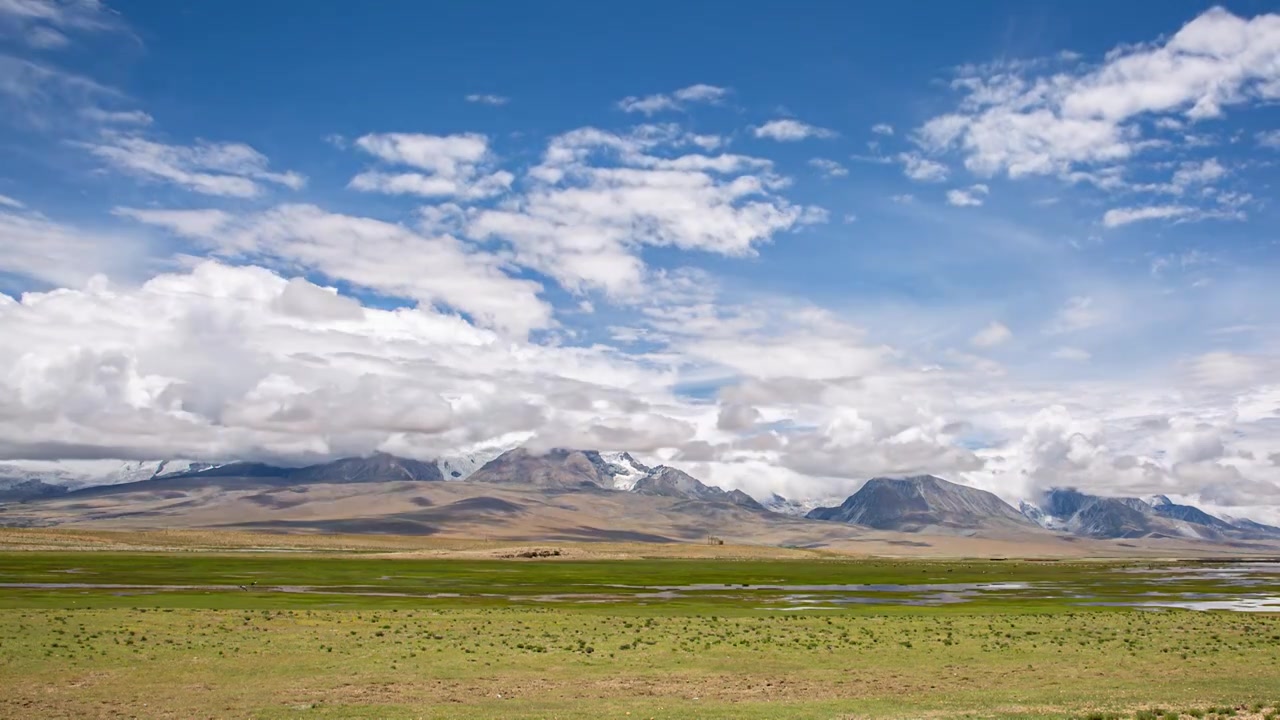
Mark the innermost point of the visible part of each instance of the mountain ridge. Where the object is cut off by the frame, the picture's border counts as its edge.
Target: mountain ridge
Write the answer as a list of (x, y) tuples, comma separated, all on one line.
[(922, 503), (918, 502), (1095, 516)]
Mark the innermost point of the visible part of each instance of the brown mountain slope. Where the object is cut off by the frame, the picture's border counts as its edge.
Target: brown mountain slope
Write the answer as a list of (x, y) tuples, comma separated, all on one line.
[(527, 514)]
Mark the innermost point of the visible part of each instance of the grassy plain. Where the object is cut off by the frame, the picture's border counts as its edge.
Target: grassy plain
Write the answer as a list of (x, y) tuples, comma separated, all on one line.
[(369, 635)]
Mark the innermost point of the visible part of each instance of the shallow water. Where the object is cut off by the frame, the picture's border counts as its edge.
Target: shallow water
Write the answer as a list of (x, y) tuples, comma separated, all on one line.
[(1239, 587)]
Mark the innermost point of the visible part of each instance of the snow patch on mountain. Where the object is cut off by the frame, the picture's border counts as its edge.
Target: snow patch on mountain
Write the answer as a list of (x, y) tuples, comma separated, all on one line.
[(460, 467), (627, 471), (86, 473), (799, 508)]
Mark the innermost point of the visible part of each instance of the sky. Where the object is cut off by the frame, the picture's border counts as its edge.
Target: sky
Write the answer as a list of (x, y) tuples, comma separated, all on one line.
[(783, 246)]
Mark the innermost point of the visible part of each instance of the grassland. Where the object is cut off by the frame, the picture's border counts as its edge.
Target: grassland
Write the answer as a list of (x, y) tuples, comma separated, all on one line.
[(330, 634)]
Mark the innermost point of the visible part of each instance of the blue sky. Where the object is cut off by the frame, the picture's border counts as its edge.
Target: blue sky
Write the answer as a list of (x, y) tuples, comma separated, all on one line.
[(790, 245)]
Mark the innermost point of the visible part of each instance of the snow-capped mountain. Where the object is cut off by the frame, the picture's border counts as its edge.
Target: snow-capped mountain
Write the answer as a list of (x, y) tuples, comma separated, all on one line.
[(460, 467), (565, 468), (22, 480), (799, 508), (84, 473), (1078, 513), (627, 471)]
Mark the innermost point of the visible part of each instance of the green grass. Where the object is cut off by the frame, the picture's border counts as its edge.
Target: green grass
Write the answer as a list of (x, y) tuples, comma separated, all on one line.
[(499, 649)]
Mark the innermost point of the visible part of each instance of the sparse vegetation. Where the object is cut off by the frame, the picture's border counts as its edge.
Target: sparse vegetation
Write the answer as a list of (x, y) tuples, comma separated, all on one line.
[(388, 638)]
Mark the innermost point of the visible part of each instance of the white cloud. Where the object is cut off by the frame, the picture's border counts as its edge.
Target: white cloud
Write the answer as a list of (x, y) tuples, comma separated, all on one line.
[(35, 247), (971, 197), (7, 201), (439, 154), (1222, 369), (882, 129), (648, 105), (44, 24), (1117, 217), (383, 257), (1202, 173), (189, 223), (829, 168), (117, 117), (495, 100), (707, 142), (1269, 138), (1013, 121), (1079, 313), (787, 130), (922, 169), (652, 104), (225, 169), (1072, 353), (44, 97), (224, 362), (233, 362), (432, 185), (458, 166), (996, 333), (597, 197), (904, 198), (702, 93)]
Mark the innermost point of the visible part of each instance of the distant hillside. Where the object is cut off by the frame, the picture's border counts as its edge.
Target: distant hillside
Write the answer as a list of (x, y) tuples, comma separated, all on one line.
[(557, 468), (670, 482), (563, 468), (916, 503), (379, 467), (24, 490), (1078, 513)]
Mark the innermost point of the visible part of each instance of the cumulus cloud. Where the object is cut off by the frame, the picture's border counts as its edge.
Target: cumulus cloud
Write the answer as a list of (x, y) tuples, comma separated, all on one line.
[(227, 362), (383, 257), (456, 166), (653, 104), (882, 129), (737, 417), (220, 361), (1016, 119), (226, 169), (922, 169), (313, 333), (597, 197), (973, 196), (996, 333), (1269, 139), (829, 168), (787, 130), (1202, 173)]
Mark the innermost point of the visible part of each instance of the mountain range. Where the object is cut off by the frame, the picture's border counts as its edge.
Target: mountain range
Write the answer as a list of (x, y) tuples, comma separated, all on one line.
[(1069, 510), (176, 491)]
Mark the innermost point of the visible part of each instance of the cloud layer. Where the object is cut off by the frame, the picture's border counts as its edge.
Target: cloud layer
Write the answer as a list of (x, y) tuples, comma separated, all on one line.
[(670, 288)]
